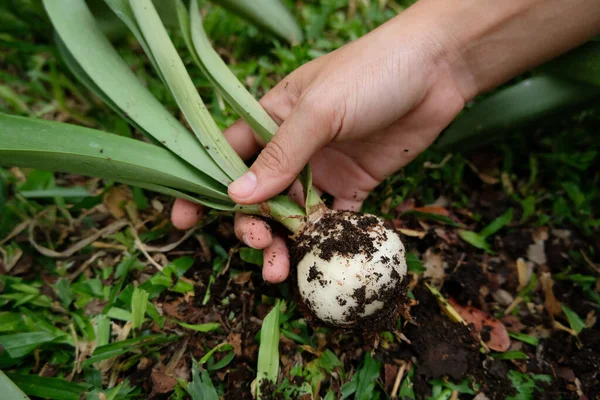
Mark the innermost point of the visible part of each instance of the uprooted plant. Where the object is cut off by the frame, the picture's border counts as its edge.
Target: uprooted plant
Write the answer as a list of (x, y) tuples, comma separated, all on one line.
[(350, 266)]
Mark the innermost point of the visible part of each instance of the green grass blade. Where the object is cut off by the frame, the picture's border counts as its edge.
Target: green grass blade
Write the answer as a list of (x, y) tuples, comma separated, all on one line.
[(497, 224), (270, 15), (49, 388), (10, 389), (268, 351), (581, 64), (514, 107), (213, 66), (55, 146), (97, 57), (75, 191), (20, 344), (182, 88), (139, 303)]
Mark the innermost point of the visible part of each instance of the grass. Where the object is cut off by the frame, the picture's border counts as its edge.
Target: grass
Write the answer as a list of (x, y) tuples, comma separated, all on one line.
[(103, 322)]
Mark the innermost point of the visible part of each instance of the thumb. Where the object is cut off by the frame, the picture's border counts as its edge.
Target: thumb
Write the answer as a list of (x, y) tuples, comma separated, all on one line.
[(307, 129)]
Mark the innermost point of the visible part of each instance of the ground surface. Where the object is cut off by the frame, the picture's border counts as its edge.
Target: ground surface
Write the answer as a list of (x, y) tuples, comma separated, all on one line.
[(71, 321)]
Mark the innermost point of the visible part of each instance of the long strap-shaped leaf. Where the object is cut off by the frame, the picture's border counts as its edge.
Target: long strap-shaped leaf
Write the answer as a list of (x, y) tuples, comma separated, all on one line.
[(80, 74), (101, 62), (183, 90), (55, 146), (124, 12), (514, 107), (215, 69), (271, 15), (234, 92)]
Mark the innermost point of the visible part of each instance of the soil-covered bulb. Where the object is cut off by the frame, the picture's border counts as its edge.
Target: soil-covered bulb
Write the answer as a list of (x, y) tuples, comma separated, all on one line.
[(351, 269)]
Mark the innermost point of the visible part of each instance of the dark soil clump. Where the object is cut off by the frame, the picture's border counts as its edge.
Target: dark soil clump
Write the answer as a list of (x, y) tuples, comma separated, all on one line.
[(340, 236), (443, 347), (572, 360), (463, 285)]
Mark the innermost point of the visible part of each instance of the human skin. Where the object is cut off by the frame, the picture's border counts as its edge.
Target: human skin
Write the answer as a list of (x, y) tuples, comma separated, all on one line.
[(362, 112)]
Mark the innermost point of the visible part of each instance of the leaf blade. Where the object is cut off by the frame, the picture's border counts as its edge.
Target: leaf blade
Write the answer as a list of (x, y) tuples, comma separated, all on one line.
[(69, 148), (97, 57), (182, 88)]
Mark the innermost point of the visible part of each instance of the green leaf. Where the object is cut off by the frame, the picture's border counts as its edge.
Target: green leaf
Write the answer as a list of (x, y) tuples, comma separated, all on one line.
[(223, 362), (510, 355), (182, 88), (219, 74), (20, 344), (13, 99), (69, 148), (270, 15), (10, 321), (581, 64), (252, 256), (474, 239), (407, 388), (367, 376), (101, 62), (201, 387), (222, 347), (116, 349), (49, 388), (462, 387), (63, 289), (513, 107), (414, 263), (10, 390), (576, 323), (311, 198), (55, 192), (119, 314), (433, 217), (524, 338), (329, 361), (497, 224), (268, 351), (525, 384), (207, 327), (140, 200), (139, 303)]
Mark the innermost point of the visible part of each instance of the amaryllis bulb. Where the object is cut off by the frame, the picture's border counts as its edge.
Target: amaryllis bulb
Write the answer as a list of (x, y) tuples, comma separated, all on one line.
[(351, 269)]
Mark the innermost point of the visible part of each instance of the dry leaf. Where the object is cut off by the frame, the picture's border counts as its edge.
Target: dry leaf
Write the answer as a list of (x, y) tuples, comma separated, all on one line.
[(525, 270), (390, 372), (537, 253), (115, 199), (433, 210), (492, 331), (242, 278), (434, 266), (550, 301), (412, 233), (162, 383), (235, 340), (503, 297)]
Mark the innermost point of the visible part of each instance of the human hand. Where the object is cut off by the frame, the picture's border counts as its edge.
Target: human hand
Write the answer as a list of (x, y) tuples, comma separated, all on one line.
[(367, 109), (357, 114)]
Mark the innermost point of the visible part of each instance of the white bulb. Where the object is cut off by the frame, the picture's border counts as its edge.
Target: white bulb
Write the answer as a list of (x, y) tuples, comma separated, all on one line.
[(350, 267)]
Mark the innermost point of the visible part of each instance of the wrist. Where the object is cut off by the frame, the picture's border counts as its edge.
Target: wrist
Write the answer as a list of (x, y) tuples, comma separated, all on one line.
[(480, 44)]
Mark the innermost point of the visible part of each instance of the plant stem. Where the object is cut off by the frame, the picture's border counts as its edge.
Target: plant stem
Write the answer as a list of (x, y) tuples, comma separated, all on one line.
[(281, 208)]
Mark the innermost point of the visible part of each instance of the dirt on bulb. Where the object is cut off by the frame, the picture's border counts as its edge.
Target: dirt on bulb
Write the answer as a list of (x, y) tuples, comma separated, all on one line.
[(353, 239)]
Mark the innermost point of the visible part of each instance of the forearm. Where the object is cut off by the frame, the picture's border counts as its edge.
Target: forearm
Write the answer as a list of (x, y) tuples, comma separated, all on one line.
[(486, 42)]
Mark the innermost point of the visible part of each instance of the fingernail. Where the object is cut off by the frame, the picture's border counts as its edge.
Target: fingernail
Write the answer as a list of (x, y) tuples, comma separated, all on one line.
[(244, 186), (245, 240)]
